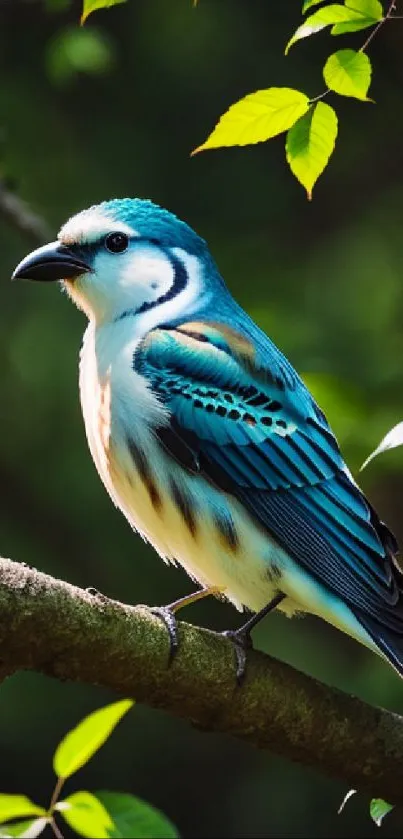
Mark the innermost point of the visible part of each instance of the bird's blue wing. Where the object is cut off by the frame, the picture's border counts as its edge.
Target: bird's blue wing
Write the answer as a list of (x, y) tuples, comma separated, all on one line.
[(259, 436)]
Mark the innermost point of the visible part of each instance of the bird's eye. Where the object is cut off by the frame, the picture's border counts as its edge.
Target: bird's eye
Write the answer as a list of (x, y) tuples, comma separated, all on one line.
[(116, 242)]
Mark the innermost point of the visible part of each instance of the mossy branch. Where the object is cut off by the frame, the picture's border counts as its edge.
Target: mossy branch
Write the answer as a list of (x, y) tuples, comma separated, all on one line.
[(52, 627)]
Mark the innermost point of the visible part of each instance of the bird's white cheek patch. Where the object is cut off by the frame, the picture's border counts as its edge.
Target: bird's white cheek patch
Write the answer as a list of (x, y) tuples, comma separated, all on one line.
[(123, 282), (179, 303), (149, 270)]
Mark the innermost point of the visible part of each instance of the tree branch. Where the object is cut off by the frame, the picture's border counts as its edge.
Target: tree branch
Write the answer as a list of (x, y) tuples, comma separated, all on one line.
[(55, 628), (17, 213)]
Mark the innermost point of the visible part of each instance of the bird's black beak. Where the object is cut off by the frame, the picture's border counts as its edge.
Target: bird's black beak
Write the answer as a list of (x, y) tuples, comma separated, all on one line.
[(52, 262)]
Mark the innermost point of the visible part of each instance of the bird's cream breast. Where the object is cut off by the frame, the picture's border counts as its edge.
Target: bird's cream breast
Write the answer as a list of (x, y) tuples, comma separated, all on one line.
[(104, 414), (114, 400), (182, 516)]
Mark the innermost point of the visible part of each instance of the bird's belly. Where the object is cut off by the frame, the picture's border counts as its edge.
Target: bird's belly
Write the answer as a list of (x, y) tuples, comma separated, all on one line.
[(191, 523), (185, 519), (219, 544)]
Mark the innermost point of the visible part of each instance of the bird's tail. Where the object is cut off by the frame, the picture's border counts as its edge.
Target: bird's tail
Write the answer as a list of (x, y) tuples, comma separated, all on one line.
[(388, 640)]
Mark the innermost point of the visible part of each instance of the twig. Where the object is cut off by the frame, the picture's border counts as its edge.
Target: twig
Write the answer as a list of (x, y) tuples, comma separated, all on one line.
[(57, 832), (389, 16), (17, 213), (372, 34), (55, 628), (55, 795)]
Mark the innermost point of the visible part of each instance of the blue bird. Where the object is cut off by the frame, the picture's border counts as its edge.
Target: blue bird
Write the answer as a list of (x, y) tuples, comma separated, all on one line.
[(206, 438)]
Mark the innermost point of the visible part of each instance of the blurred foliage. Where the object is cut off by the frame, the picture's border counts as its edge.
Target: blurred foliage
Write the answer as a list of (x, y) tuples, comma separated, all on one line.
[(105, 815), (379, 809), (323, 279), (74, 51), (392, 439)]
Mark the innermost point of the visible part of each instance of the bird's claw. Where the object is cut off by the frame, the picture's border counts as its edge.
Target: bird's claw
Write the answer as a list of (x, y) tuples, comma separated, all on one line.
[(167, 616), (242, 643)]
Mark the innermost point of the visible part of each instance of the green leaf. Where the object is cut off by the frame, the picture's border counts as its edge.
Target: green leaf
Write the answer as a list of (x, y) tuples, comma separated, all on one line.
[(308, 3), (349, 73), (135, 819), (257, 117), (352, 26), (392, 439), (90, 6), (80, 744), (368, 8), (378, 809), (16, 806), (371, 12), (86, 815), (310, 143), (337, 14), (27, 829)]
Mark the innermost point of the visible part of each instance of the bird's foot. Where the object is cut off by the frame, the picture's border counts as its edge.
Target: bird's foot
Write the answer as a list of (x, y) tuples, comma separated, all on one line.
[(168, 615), (241, 638), (242, 642)]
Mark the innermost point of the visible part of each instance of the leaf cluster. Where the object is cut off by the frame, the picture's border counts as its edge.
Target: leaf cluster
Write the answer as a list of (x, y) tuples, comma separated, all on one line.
[(104, 814), (311, 125)]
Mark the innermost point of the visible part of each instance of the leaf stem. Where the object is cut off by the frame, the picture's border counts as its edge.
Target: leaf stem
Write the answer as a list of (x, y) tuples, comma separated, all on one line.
[(388, 16), (321, 96), (55, 795), (56, 830), (53, 801)]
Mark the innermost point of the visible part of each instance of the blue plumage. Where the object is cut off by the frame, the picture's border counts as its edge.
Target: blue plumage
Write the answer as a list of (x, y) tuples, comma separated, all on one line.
[(293, 482), (234, 425)]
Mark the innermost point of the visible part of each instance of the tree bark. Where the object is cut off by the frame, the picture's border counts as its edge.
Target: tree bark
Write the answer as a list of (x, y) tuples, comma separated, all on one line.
[(52, 627)]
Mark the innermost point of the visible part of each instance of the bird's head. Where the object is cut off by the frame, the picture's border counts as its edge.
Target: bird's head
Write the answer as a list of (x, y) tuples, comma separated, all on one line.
[(126, 256)]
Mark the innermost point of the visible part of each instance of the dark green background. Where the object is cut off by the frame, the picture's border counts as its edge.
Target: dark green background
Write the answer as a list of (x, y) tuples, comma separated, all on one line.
[(323, 278)]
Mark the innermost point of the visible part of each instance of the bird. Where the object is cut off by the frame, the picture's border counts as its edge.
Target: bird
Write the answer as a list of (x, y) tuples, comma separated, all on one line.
[(207, 439)]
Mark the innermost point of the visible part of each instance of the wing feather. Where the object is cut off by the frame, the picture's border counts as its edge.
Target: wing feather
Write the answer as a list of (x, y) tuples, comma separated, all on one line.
[(262, 438)]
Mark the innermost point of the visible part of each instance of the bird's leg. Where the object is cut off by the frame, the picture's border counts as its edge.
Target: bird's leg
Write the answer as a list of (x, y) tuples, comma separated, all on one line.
[(241, 638), (168, 614)]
